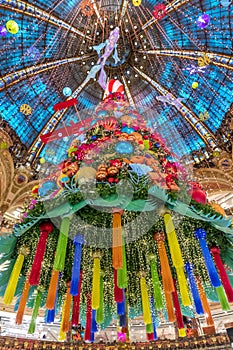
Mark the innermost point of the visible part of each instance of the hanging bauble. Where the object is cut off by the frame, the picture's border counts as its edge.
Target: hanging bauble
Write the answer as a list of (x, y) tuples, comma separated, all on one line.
[(42, 160), (136, 2), (3, 31), (197, 193), (124, 147), (67, 91), (195, 85), (203, 21), (12, 27)]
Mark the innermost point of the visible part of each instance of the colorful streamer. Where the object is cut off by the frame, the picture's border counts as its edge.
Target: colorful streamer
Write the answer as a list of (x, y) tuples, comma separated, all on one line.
[(59, 261), (22, 303), (100, 311), (66, 318), (87, 334), (122, 279), (34, 277), (145, 302), (177, 259), (117, 254), (35, 312), (118, 292), (179, 317), (78, 243), (222, 272), (96, 282), (156, 284), (13, 281), (52, 292), (76, 303), (194, 289), (205, 304)]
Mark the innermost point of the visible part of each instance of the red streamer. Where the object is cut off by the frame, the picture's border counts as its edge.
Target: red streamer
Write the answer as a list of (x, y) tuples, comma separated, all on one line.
[(176, 304), (118, 292), (222, 272), (76, 304), (87, 335), (66, 104), (150, 336), (34, 277)]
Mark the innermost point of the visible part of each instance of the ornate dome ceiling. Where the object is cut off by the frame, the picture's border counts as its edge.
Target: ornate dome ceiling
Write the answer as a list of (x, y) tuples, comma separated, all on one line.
[(171, 54)]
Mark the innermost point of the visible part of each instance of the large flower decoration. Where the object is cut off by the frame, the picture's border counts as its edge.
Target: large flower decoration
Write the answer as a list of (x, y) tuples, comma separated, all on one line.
[(160, 11)]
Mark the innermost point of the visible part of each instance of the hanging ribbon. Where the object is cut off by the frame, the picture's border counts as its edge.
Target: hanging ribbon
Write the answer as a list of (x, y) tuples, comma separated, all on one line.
[(164, 263), (117, 255), (78, 243), (35, 312), (156, 283), (60, 256), (122, 279), (95, 303), (223, 298), (153, 314), (222, 272), (121, 307), (170, 308), (145, 301), (13, 281), (76, 303), (87, 334), (205, 304), (22, 304), (94, 328), (179, 317), (62, 335), (100, 311), (34, 277), (50, 316), (52, 292), (66, 318), (118, 292), (200, 234), (194, 289), (177, 259)]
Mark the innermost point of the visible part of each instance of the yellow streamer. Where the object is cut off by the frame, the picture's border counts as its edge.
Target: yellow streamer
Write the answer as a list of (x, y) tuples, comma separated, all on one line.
[(177, 259), (12, 284), (62, 335), (145, 302), (117, 254), (182, 332), (95, 302)]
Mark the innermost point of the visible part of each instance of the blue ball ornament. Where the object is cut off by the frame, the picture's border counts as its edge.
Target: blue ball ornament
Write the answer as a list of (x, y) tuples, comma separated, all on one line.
[(102, 113), (127, 130), (124, 147), (67, 91), (94, 137)]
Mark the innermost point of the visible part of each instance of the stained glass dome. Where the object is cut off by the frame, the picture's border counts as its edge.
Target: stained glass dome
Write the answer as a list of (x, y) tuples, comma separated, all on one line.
[(176, 69)]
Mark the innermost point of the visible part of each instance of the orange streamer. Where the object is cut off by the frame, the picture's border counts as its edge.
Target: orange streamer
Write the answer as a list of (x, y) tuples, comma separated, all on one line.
[(22, 303), (117, 254), (66, 319), (205, 304), (170, 308), (167, 279), (51, 297)]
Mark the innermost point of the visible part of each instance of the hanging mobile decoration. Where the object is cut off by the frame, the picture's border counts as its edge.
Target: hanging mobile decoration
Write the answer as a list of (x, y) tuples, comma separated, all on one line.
[(12, 26), (159, 11), (203, 21)]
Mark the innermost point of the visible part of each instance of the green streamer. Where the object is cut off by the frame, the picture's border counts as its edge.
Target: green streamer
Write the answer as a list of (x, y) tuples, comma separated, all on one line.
[(156, 285), (122, 279), (59, 261), (149, 328), (35, 311), (100, 310), (222, 298)]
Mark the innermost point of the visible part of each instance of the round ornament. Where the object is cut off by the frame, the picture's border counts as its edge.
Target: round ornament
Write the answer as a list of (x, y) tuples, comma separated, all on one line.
[(195, 85), (136, 2), (42, 160), (127, 129), (67, 91), (203, 21), (124, 147), (12, 27)]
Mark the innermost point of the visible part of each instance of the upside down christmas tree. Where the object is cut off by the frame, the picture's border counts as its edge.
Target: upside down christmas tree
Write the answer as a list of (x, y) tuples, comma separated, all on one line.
[(118, 230)]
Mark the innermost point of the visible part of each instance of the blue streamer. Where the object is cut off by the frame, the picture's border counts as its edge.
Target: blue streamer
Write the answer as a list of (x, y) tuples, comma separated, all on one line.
[(194, 289), (200, 234), (123, 320), (121, 308), (93, 322), (78, 243), (92, 337), (153, 315), (50, 316)]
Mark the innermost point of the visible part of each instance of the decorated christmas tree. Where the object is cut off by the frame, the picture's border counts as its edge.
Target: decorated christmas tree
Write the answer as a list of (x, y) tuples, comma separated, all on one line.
[(117, 230)]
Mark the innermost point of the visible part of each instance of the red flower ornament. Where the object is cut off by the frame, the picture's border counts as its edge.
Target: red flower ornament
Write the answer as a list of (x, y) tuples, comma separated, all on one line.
[(160, 11)]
